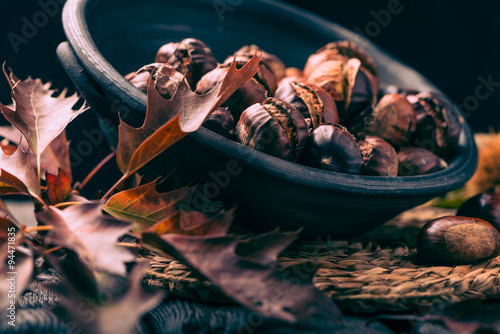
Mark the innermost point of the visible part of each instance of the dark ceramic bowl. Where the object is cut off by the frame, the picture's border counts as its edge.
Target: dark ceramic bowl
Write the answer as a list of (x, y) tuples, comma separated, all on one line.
[(110, 38)]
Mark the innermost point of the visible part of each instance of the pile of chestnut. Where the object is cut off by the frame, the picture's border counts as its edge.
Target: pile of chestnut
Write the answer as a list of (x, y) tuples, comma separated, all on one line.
[(330, 115)]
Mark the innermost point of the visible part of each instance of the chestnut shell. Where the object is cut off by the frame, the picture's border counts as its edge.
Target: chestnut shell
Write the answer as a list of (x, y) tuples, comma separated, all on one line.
[(165, 78), (191, 57), (221, 122), (379, 157), (453, 240), (274, 127), (314, 103)]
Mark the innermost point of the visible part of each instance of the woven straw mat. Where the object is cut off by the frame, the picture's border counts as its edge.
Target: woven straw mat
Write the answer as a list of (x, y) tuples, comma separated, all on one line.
[(379, 271)]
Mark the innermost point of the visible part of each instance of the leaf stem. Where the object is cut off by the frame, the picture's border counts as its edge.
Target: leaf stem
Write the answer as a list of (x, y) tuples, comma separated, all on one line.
[(110, 191), (37, 229), (65, 204), (96, 169), (38, 163)]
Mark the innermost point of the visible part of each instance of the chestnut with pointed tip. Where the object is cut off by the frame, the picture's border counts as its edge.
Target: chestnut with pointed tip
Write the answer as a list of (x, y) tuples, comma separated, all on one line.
[(485, 206), (165, 78), (438, 128), (379, 157), (274, 127), (191, 57), (453, 240), (392, 119), (221, 122), (333, 148), (314, 103), (340, 50), (418, 161)]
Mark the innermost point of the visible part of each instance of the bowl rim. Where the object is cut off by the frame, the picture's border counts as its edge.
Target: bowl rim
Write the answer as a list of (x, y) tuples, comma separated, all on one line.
[(112, 82)]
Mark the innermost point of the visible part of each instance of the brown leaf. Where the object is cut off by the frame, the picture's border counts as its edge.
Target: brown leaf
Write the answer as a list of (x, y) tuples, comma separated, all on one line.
[(145, 206), (16, 171), (38, 115), (168, 121), (84, 229), (195, 223), (247, 271), (58, 186), (54, 157)]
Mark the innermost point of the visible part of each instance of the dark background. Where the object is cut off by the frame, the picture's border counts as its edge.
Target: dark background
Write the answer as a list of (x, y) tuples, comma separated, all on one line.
[(452, 43)]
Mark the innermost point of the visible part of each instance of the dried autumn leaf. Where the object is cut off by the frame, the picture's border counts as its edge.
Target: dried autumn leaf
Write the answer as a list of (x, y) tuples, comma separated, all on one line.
[(38, 115), (58, 186), (16, 171), (247, 271), (195, 223), (168, 121), (54, 157), (144, 205), (86, 230), (119, 312)]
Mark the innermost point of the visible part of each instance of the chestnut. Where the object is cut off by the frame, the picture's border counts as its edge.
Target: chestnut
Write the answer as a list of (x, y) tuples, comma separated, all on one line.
[(191, 57), (418, 161), (379, 157), (333, 148), (255, 90), (485, 206), (274, 127), (165, 78), (392, 119), (265, 76), (453, 240), (438, 127), (271, 61), (340, 50), (361, 88), (314, 103), (221, 122), (329, 76)]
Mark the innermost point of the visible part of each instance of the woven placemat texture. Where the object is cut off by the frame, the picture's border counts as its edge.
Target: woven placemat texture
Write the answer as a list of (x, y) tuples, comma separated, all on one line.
[(378, 271)]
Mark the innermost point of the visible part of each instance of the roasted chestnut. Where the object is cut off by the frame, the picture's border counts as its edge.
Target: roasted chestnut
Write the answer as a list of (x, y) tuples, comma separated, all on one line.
[(333, 148), (271, 61), (438, 128), (453, 240), (274, 127), (485, 206), (340, 50), (392, 119), (418, 161), (314, 103), (265, 76), (221, 122), (253, 91), (360, 89), (329, 76), (379, 157), (191, 57), (165, 78)]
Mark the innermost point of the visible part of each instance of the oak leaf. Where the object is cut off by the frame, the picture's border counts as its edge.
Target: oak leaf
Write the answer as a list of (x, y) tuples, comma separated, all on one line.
[(144, 205), (39, 115), (168, 121), (246, 270), (58, 186), (16, 171), (93, 235)]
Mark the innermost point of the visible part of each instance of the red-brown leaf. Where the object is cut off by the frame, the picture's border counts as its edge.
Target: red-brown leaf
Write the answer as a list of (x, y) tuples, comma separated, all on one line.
[(144, 205), (84, 229), (38, 115), (16, 171), (54, 157), (58, 186), (195, 223), (168, 121), (247, 271)]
